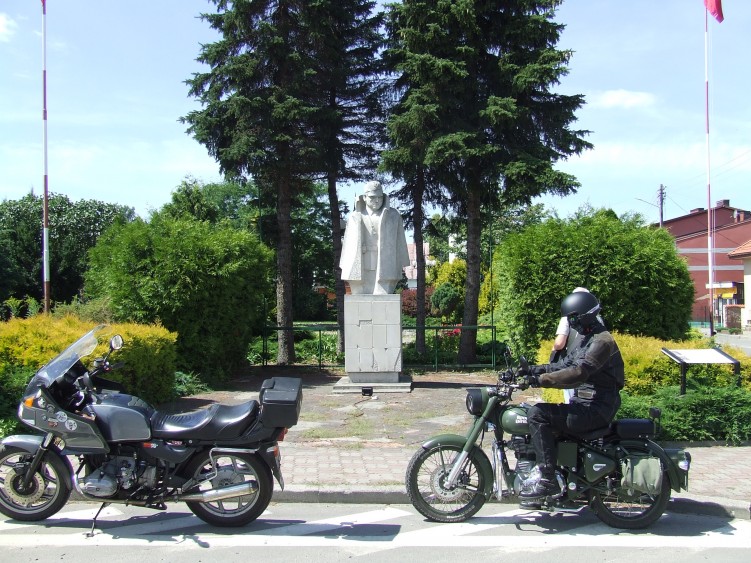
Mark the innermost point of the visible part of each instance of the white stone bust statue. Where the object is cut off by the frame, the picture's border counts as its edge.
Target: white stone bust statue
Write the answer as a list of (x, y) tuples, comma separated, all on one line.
[(374, 250)]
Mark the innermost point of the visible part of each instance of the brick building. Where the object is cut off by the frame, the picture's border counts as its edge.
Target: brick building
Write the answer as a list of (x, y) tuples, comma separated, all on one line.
[(732, 228), (743, 253)]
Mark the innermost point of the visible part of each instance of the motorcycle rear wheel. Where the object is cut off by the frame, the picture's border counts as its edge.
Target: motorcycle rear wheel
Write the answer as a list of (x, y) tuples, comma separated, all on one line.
[(426, 475), (47, 492), (232, 469), (619, 509)]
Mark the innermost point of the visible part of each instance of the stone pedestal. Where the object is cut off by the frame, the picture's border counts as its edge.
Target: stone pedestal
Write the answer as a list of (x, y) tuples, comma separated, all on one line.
[(373, 341)]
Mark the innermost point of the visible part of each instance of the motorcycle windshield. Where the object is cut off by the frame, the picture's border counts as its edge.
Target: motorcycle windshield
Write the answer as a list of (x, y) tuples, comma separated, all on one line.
[(65, 360)]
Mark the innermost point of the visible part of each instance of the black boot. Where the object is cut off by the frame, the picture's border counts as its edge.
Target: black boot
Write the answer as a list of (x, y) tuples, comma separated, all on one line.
[(545, 487)]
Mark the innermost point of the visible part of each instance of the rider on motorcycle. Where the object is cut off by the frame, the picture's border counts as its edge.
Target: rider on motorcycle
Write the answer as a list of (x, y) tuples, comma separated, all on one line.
[(594, 367)]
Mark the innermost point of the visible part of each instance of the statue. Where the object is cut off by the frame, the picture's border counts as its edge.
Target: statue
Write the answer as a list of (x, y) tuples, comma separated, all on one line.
[(374, 250)]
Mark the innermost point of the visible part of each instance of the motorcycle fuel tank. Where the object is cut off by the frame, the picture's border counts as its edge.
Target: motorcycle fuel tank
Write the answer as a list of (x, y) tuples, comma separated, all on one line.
[(514, 420), (123, 418)]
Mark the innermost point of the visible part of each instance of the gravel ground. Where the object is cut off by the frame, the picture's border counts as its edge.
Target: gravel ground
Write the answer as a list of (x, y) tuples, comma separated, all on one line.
[(435, 405)]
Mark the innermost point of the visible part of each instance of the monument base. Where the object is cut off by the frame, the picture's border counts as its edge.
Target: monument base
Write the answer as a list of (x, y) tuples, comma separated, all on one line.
[(373, 339), (373, 376), (403, 384)]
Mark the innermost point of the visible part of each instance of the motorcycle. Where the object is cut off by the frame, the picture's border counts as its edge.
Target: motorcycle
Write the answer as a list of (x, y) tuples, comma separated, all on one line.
[(219, 460), (619, 470)]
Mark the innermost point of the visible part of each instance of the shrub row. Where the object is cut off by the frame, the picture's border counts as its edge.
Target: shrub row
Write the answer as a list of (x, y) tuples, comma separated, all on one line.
[(148, 356), (713, 408)]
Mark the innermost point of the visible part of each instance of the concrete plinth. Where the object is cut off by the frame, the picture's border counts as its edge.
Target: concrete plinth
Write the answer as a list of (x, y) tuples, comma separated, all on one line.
[(346, 385), (373, 339)]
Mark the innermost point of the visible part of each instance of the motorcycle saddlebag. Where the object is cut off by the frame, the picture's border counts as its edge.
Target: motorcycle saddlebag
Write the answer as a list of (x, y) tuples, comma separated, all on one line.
[(630, 428), (281, 399)]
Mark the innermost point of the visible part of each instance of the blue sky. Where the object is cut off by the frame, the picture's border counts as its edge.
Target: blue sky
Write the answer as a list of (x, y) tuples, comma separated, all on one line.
[(115, 91)]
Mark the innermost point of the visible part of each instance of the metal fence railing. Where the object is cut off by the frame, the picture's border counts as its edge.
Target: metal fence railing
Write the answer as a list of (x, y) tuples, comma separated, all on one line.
[(441, 346)]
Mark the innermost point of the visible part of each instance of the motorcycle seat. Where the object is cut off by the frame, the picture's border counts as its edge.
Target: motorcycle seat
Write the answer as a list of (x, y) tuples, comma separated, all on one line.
[(595, 434), (216, 423)]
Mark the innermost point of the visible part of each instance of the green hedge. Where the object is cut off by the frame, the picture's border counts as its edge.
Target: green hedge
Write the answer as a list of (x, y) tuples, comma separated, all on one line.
[(713, 408), (720, 414)]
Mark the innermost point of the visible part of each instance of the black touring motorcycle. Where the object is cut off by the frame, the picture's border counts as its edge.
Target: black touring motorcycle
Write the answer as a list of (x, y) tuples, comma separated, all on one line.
[(112, 447), (619, 470)]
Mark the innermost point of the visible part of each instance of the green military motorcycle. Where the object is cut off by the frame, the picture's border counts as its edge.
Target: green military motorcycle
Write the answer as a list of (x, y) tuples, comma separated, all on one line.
[(619, 471)]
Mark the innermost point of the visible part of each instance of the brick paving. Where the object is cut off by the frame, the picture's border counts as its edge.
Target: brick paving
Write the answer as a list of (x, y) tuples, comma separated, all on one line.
[(349, 449)]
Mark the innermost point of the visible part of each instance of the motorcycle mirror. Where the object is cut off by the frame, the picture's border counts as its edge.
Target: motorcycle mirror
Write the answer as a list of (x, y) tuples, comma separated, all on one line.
[(116, 342), (654, 413)]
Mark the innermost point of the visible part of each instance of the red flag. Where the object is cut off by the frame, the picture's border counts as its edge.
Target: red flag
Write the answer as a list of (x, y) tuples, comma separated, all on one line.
[(714, 7)]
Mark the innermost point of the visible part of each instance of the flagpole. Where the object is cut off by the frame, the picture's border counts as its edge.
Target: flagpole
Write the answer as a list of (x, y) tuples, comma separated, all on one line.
[(45, 207), (710, 229)]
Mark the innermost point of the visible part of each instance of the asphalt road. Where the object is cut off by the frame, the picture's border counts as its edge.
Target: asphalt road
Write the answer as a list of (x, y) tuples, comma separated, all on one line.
[(740, 341), (394, 533)]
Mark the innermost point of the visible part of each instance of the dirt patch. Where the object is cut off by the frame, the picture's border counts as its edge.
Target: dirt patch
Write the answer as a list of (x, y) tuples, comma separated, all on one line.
[(435, 406)]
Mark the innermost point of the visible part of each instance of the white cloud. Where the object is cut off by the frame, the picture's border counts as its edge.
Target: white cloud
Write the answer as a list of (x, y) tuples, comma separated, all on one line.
[(7, 28), (621, 99)]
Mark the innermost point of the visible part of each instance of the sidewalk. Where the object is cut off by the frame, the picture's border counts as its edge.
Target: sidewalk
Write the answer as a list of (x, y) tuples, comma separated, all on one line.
[(719, 483), (347, 448)]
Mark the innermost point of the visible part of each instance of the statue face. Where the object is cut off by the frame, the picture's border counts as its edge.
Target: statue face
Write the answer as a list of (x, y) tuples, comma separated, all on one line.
[(374, 200)]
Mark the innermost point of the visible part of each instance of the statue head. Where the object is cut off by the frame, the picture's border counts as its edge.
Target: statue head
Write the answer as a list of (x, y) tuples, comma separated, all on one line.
[(373, 195)]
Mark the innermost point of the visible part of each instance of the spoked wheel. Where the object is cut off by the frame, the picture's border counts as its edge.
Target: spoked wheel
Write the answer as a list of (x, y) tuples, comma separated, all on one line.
[(630, 510), (426, 485), (46, 493), (231, 469)]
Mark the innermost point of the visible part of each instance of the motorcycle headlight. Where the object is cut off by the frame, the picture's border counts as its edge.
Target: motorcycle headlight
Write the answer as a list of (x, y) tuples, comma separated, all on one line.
[(477, 400)]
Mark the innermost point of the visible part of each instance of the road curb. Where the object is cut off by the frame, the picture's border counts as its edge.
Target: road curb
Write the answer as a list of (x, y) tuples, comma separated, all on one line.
[(711, 506), (361, 495), (701, 506)]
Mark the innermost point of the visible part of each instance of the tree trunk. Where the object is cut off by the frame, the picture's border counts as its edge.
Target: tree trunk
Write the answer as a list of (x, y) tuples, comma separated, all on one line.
[(285, 338), (468, 341), (336, 240)]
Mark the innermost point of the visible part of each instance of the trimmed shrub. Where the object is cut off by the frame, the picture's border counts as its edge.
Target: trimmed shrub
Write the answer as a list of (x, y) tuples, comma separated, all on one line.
[(720, 414), (713, 408), (148, 354), (648, 369), (149, 357), (409, 301)]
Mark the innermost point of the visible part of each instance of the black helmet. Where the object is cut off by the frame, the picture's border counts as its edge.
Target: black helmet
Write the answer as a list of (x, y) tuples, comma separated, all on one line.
[(581, 309)]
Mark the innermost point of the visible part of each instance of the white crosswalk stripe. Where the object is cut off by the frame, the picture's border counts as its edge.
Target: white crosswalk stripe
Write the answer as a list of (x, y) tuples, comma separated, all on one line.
[(361, 533)]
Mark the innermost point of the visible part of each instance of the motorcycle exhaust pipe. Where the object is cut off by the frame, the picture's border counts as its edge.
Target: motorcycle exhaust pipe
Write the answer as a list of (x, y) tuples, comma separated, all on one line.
[(213, 495)]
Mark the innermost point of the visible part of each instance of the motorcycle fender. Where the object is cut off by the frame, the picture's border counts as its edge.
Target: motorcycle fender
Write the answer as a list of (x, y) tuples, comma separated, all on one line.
[(676, 475), (483, 463), (24, 442), (273, 458), (31, 444)]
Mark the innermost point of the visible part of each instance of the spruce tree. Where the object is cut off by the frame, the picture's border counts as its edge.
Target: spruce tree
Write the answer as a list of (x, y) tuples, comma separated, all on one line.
[(492, 127), (256, 116), (345, 40)]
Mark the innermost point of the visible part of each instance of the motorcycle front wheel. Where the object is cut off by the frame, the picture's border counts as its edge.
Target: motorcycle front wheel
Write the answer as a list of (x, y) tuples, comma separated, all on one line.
[(630, 510), (231, 469), (46, 493), (426, 485)]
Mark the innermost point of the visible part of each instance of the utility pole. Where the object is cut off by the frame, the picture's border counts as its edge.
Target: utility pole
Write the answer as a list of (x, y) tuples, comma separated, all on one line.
[(661, 201)]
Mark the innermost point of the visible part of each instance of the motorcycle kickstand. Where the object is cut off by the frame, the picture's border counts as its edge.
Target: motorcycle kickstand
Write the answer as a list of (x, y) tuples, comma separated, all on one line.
[(90, 534)]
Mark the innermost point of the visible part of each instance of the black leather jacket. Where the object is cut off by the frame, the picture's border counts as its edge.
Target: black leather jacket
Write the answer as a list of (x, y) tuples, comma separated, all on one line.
[(593, 366)]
